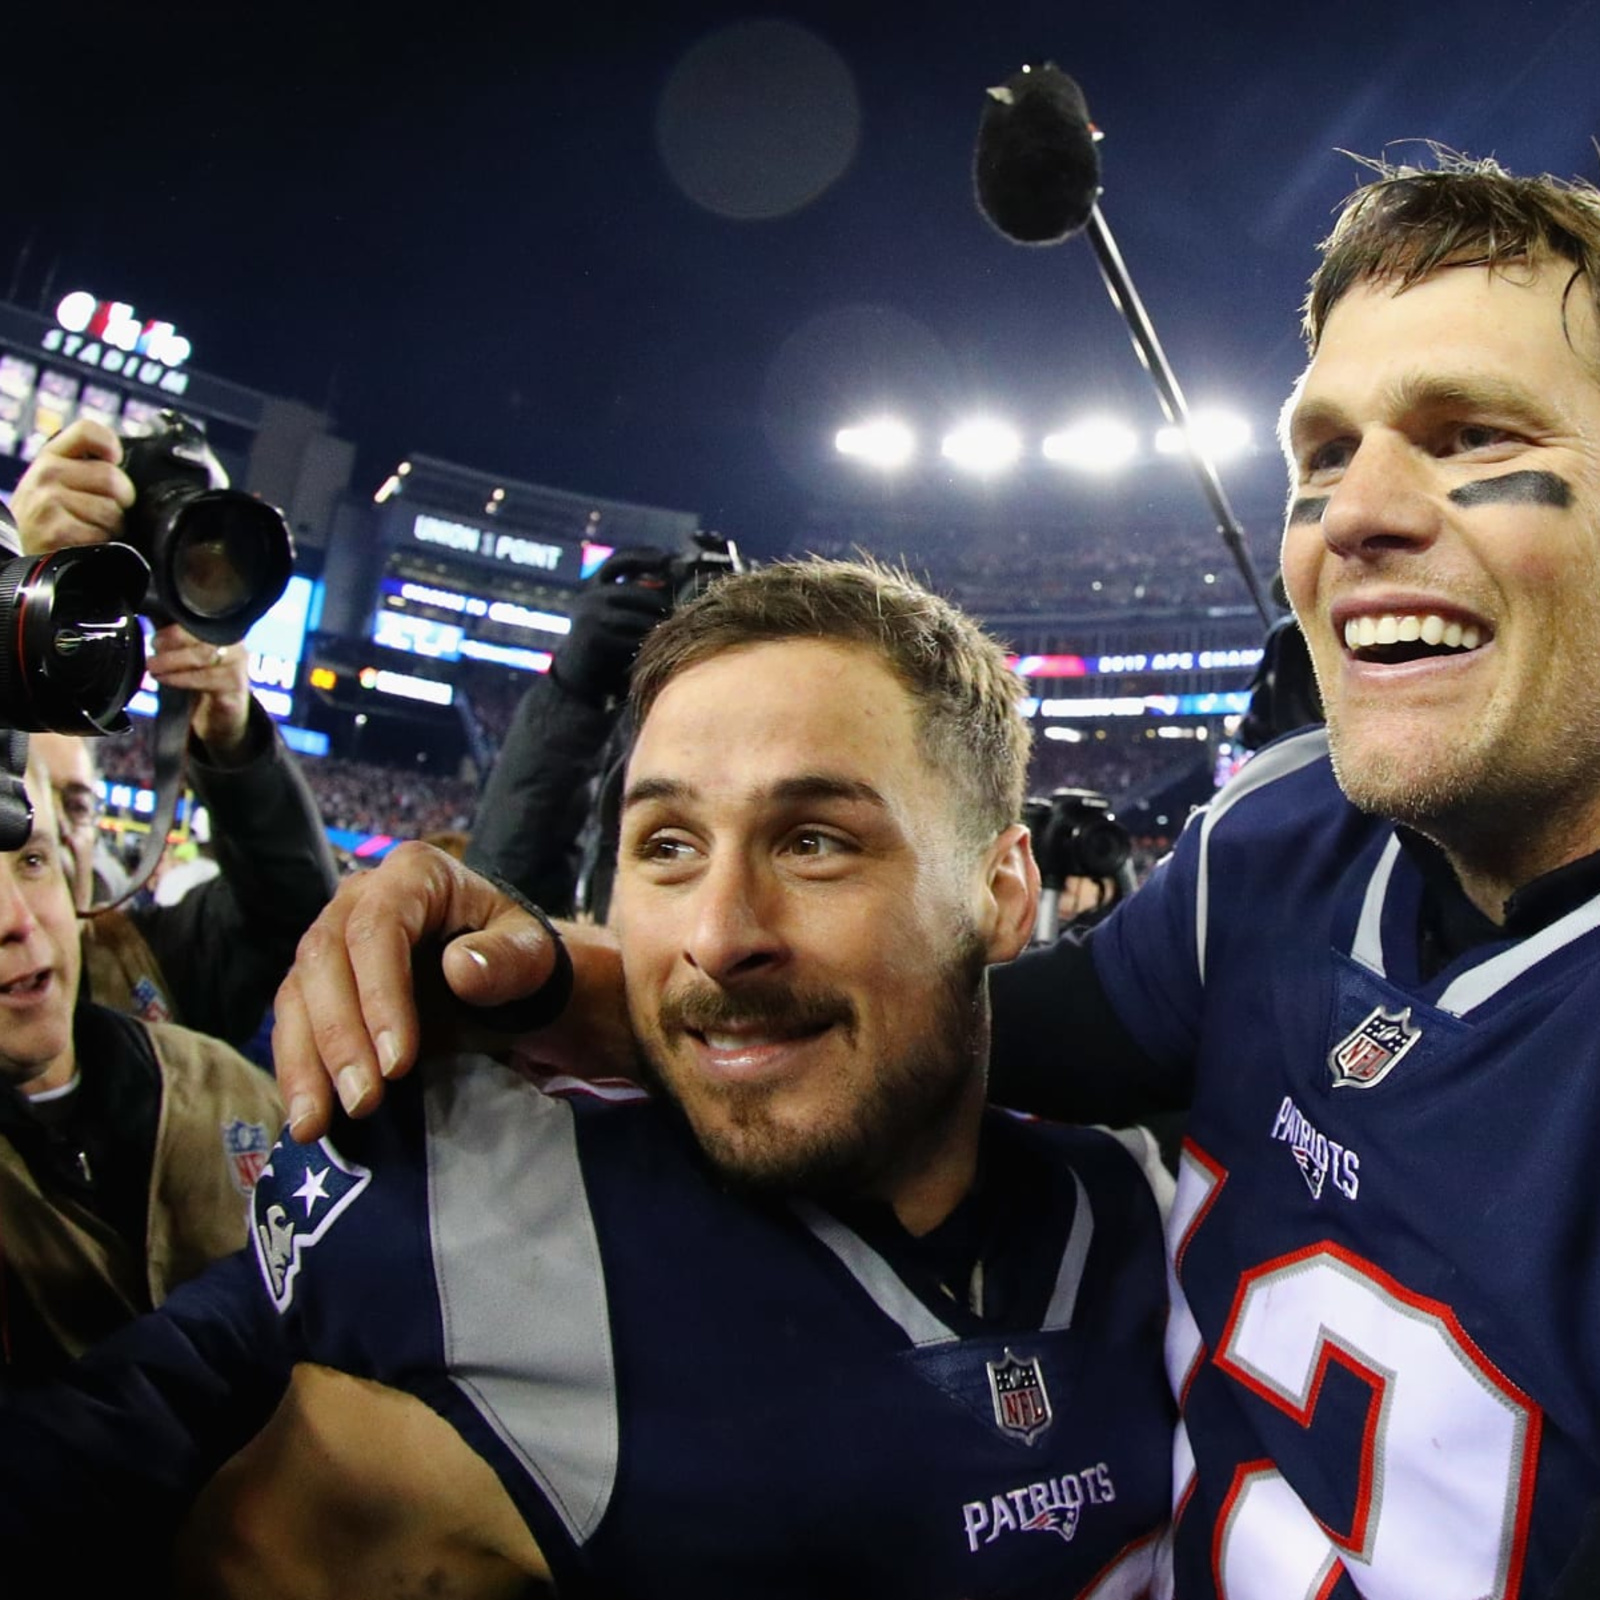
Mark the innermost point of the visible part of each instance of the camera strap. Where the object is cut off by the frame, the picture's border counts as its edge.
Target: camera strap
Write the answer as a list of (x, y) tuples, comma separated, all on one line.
[(172, 743)]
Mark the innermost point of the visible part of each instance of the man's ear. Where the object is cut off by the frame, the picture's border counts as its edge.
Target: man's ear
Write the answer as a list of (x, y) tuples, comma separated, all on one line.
[(1010, 894)]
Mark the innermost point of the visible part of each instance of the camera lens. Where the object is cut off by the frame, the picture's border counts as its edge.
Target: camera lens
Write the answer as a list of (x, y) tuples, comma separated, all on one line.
[(225, 559), (1102, 848), (71, 650)]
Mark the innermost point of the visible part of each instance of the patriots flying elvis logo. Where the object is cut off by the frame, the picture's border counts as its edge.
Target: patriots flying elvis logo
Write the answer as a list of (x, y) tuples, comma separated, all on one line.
[(301, 1192)]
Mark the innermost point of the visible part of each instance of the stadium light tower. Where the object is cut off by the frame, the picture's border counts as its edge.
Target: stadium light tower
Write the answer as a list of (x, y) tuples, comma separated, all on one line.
[(984, 446), (883, 442), (1098, 444)]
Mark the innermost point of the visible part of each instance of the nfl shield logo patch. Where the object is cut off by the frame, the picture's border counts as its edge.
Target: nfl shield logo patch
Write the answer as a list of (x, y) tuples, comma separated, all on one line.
[(149, 1002), (247, 1146), (1368, 1055), (1021, 1403)]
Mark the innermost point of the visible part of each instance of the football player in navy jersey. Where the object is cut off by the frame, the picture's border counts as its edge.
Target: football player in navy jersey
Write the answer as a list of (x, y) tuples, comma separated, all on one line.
[(811, 1320), (1370, 966)]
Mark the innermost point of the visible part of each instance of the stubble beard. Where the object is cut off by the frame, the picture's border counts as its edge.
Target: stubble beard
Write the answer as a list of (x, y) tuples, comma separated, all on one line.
[(900, 1111)]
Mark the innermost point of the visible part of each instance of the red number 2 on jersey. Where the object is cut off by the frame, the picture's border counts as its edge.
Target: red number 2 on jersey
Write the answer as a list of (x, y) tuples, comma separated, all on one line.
[(1444, 1479)]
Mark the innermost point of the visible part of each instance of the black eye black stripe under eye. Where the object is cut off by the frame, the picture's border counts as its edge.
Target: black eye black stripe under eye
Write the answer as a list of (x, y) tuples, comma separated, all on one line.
[(1308, 508), (1528, 488)]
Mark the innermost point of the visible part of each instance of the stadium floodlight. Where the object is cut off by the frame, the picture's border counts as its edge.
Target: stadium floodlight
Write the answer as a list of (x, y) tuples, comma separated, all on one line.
[(983, 445), (1222, 435), (882, 442), (1097, 444)]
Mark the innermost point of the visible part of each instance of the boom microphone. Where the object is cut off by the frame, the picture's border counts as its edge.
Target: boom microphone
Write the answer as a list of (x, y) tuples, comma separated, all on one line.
[(1037, 168), (1037, 175)]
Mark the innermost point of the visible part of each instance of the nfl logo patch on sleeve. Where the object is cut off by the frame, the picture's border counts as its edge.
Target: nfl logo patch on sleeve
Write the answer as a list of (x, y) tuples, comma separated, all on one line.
[(246, 1145), (302, 1191)]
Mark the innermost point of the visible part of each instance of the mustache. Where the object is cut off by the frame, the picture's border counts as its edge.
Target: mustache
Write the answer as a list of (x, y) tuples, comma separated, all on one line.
[(771, 1007)]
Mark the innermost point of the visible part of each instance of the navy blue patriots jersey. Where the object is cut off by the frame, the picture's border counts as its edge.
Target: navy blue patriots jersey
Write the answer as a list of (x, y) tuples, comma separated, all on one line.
[(689, 1393), (1386, 1242)]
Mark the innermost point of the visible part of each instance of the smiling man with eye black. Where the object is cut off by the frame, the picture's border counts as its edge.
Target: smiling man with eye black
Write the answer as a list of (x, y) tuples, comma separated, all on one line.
[(1373, 963)]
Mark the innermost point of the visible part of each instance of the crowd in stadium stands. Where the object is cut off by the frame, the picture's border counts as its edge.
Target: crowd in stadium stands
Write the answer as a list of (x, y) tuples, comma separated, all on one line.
[(368, 799), (1120, 765), (351, 795), (1041, 564)]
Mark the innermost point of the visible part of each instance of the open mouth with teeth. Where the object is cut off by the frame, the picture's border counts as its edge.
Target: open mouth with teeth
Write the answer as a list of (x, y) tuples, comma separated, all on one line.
[(1396, 638), (715, 1040)]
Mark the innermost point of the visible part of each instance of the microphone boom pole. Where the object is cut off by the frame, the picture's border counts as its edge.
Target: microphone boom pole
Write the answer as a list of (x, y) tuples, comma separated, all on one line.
[(1154, 360), (1036, 171)]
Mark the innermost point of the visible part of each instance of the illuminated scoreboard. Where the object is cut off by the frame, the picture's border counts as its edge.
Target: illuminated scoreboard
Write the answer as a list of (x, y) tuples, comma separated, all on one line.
[(445, 623), (453, 591)]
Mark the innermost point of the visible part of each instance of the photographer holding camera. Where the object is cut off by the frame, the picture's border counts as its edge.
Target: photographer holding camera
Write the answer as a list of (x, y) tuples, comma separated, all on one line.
[(213, 960), (546, 820)]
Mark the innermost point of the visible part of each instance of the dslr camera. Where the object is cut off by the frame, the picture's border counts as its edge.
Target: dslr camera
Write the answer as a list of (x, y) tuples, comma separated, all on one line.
[(71, 653), (194, 552), (218, 558), (1076, 835)]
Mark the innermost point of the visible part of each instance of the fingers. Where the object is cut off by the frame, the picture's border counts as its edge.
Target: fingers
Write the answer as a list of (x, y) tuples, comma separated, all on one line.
[(510, 958), (306, 1088), (347, 1016), (323, 1042), (215, 667), (73, 493), (218, 674)]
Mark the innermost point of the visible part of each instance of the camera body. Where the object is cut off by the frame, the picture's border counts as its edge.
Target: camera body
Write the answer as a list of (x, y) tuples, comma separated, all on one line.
[(1076, 835), (1085, 859), (193, 551), (218, 558), (71, 653), (694, 571)]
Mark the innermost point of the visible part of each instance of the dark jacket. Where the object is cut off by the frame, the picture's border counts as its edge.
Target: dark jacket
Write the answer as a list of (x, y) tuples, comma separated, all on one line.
[(215, 959)]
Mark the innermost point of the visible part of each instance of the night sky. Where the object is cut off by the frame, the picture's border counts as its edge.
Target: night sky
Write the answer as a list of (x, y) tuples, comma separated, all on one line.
[(662, 253)]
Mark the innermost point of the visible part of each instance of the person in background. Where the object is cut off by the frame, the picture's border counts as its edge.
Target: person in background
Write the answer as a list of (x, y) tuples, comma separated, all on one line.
[(538, 826), (97, 874), (213, 960), (128, 1150)]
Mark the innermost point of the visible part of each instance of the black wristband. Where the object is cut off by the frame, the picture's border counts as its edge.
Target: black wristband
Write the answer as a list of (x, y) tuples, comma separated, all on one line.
[(546, 1003)]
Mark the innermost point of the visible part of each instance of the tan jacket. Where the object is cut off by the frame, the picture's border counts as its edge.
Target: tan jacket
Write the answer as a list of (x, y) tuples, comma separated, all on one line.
[(121, 970), (218, 1119)]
